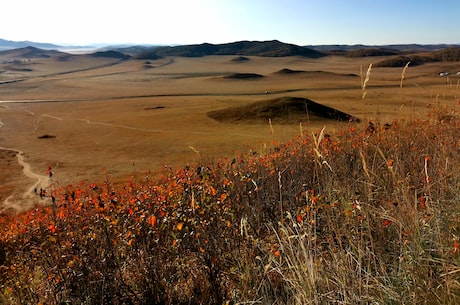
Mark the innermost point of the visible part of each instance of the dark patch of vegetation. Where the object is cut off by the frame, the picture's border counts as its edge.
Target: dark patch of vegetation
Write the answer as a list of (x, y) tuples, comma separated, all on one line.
[(371, 52), (272, 48), (148, 54), (243, 76), (448, 54), (280, 110), (445, 55), (396, 47), (336, 52), (240, 59), (401, 61), (46, 136), (289, 71), (154, 108), (111, 54)]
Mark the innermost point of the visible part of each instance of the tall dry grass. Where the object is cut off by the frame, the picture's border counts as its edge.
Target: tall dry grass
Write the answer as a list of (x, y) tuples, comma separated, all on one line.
[(358, 216)]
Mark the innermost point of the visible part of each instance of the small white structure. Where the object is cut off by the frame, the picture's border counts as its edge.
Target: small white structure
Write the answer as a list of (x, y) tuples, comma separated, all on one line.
[(444, 74)]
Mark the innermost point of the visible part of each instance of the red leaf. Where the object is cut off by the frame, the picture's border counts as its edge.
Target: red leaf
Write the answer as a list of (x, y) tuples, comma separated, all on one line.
[(422, 202), (386, 223), (153, 220), (52, 228), (299, 218)]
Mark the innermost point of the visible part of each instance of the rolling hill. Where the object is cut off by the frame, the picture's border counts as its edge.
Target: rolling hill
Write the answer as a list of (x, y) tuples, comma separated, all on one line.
[(283, 110), (273, 48)]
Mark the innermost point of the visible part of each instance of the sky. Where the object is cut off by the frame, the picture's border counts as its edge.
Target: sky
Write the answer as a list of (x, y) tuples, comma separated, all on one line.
[(170, 22)]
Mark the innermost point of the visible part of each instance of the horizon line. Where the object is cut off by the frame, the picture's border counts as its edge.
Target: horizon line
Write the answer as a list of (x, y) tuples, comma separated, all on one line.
[(99, 44)]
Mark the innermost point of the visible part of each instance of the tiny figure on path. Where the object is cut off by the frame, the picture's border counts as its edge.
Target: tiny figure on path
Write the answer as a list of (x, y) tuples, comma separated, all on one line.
[(42, 193), (49, 171)]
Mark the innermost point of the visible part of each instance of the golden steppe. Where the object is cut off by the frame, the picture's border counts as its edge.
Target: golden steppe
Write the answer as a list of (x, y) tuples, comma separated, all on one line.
[(89, 118)]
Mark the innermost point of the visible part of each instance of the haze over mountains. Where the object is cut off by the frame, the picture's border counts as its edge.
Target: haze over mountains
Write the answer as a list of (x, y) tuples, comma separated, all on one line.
[(9, 44)]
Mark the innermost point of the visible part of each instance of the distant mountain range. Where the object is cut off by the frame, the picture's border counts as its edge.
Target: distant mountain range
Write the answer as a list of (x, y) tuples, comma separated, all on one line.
[(9, 44), (240, 46), (34, 53), (398, 55)]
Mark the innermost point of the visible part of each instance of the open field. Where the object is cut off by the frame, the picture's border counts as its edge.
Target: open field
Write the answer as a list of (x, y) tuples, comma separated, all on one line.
[(86, 117)]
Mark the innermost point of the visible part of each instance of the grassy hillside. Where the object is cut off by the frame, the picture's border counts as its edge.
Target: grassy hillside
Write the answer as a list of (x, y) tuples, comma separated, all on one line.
[(366, 215)]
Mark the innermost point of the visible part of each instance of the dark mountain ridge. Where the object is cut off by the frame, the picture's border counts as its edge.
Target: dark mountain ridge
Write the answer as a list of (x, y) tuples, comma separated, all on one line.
[(272, 48), (395, 47)]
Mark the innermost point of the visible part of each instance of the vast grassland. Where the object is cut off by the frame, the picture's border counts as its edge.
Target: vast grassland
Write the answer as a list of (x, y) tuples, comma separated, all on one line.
[(133, 116), (150, 201)]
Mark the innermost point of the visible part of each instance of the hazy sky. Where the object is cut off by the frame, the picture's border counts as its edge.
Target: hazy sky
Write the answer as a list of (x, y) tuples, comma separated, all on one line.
[(302, 22)]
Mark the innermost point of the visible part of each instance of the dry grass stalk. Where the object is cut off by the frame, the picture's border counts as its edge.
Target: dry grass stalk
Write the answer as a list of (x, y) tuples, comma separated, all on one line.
[(197, 152), (366, 80), (298, 266), (271, 126), (320, 159), (403, 74)]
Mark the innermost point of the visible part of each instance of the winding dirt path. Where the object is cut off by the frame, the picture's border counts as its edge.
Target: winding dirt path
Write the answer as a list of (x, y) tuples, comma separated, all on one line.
[(41, 181)]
